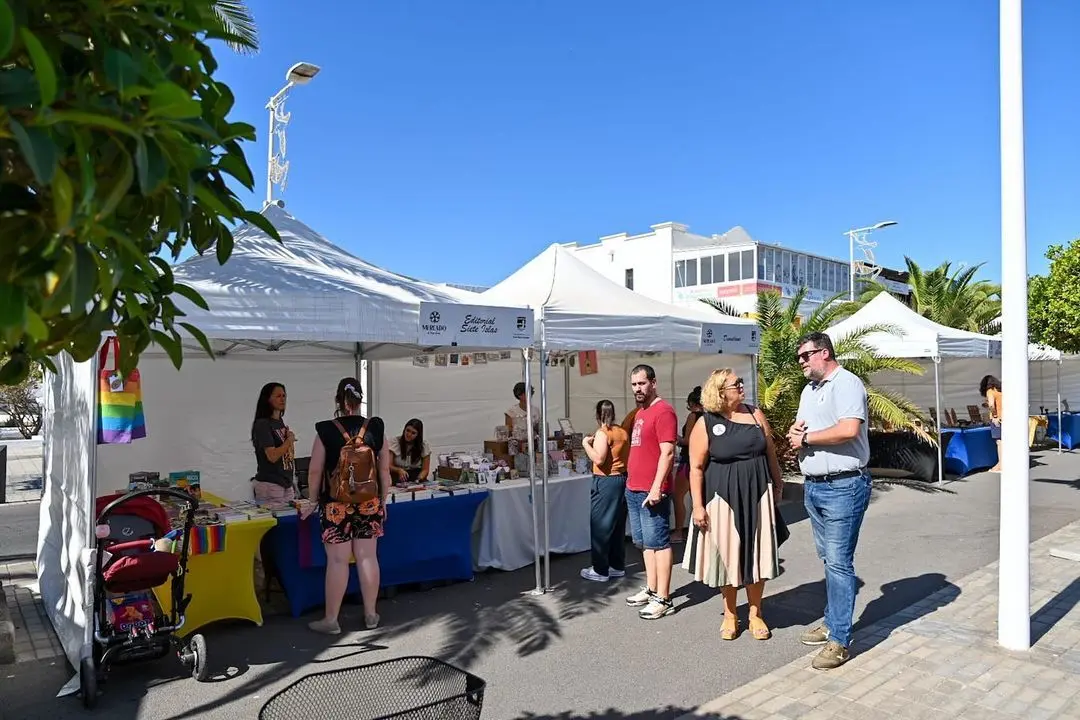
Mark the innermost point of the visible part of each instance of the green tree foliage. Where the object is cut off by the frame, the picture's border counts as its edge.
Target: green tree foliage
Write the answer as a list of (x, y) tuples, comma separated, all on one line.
[(115, 147), (1054, 300), (780, 379), (953, 298)]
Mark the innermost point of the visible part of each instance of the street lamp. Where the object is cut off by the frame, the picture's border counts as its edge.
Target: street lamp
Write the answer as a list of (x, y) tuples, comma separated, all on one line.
[(277, 169), (867, 266)]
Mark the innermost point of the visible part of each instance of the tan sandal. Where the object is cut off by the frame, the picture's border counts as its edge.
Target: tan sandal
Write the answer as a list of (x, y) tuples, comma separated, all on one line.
[(759, 629), (729, 630)]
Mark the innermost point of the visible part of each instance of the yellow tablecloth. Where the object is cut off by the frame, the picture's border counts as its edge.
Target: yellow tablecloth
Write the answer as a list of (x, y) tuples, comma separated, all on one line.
[(222, 584)]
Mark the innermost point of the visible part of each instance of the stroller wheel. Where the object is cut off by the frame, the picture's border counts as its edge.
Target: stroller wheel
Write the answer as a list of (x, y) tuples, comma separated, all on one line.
[(88, 683), (197, 654)]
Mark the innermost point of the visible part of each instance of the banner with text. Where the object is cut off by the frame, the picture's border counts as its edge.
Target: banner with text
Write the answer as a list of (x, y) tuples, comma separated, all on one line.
[(454, 325), (717, 338)]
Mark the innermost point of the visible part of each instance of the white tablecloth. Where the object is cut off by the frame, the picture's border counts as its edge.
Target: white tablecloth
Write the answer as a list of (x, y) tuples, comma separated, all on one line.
[(504, 523)]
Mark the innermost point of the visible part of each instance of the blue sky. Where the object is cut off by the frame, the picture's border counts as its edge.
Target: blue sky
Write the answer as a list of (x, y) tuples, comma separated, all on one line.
[(455, 141)]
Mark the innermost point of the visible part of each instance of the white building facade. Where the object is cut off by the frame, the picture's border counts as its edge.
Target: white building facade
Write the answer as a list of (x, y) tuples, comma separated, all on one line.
[(671, 264)]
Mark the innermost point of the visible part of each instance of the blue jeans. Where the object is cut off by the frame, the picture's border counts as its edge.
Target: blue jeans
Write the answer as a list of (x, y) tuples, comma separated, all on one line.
[(836, 511), (608, 523), (650, 526)]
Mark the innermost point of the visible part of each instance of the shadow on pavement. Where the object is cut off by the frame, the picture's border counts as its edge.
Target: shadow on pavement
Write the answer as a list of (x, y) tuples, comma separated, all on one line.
[(1055, 608), (669, 712)]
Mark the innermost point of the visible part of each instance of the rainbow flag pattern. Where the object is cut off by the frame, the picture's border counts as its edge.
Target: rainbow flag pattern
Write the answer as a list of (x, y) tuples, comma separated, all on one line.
[(207, 539), (120, 408)]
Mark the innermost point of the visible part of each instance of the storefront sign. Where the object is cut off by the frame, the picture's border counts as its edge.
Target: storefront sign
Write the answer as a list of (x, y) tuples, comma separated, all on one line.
[(725, 339), (454, 325)]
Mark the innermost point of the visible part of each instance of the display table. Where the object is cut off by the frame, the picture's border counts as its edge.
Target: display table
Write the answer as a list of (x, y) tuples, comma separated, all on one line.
[(968, 450), (425, 541), (505, 539), (1069, 432), (222, 583)]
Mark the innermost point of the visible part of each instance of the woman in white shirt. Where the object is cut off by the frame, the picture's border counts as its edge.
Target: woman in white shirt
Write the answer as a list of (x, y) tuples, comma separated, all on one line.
[(410, 455), (516, 416)]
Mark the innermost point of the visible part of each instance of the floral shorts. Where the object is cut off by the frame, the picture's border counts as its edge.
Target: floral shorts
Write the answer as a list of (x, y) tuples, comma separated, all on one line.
[(345, 522)]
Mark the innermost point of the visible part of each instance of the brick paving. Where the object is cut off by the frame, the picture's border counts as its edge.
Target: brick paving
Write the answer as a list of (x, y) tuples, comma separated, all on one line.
[(940, 658), (24, 470), (35, 638)]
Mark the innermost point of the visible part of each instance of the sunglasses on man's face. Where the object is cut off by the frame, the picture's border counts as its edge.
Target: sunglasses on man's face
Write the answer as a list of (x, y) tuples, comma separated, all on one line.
[(805, 356)]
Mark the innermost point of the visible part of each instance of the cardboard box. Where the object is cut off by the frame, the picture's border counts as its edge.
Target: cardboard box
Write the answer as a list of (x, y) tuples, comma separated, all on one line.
[(497, 448)]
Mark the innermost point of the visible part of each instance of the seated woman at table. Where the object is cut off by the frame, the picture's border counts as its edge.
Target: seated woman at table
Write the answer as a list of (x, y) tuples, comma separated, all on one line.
[(990, 389), (516, 415), (348, 529), (274, 445), (410, 454)]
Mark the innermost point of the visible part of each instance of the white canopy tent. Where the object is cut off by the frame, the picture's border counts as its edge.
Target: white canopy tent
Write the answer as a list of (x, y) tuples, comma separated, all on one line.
[(917, 337), (577, 308), (302, 312)]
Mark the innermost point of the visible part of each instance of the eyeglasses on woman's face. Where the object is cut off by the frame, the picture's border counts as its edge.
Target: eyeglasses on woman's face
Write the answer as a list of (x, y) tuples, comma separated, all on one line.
[(737, 385)]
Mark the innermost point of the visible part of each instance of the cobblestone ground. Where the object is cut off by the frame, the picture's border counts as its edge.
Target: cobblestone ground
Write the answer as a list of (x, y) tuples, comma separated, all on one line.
[(940, 659), (35, 638)]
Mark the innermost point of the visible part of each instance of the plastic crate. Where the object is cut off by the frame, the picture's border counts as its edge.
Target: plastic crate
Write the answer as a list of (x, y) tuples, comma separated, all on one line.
[(406, 688)]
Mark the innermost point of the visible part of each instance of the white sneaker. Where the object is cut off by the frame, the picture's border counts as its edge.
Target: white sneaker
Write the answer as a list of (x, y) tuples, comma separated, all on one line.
[(641, 597), (326, 627), (657, 608), (590, 574), (613, 573), (371, 621)]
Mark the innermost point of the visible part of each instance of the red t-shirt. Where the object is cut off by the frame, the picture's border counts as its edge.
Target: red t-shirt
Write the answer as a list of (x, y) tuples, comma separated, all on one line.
[(653, 425)]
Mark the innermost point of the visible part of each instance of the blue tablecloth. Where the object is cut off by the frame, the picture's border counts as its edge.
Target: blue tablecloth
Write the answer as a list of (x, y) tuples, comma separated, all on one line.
[(425, 541), (969, 449), (1070, 423)]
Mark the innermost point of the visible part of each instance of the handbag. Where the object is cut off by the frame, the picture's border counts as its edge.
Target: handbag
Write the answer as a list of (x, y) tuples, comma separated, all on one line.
[(120, 417), (782, 531)]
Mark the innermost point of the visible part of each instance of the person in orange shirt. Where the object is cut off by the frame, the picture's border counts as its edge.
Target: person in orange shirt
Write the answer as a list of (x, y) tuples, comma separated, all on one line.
[(609, 450)]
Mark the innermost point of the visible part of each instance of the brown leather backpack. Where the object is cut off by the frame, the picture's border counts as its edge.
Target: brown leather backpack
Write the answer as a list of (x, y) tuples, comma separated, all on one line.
[(356, 478)]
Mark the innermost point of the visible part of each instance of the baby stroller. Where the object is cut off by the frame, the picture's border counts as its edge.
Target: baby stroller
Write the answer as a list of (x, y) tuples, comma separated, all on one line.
[(128, 621)]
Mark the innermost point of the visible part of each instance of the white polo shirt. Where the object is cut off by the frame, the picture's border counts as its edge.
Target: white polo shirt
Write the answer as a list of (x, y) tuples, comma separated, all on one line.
[(840, 396)]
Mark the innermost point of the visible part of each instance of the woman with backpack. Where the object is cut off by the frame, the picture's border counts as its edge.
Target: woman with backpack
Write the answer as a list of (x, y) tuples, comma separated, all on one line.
[(349, 478)]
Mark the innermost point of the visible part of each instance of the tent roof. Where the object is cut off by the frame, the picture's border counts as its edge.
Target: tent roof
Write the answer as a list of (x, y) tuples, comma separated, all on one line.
[(304, 289), (920, 338), (583, 309)]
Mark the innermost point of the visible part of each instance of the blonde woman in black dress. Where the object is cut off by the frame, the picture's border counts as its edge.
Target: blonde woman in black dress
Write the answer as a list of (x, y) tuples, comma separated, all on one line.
[(735, 482)]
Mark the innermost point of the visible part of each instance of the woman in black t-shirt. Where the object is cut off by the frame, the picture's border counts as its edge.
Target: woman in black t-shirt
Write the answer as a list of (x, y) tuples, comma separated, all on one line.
[(274, 446), (348, 529)]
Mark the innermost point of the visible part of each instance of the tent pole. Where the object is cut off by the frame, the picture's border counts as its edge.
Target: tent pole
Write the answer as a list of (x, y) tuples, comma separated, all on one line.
[(1061, 431), (940, 423), (91, 515), (566, 388), (526, 354), (543, 448)]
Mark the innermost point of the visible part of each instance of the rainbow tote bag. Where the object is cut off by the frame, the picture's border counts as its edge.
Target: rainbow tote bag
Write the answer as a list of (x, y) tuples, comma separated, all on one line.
[(119, 407)]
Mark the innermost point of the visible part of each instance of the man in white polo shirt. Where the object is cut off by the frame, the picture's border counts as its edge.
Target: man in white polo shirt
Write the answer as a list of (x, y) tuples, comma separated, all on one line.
[(831, 436)]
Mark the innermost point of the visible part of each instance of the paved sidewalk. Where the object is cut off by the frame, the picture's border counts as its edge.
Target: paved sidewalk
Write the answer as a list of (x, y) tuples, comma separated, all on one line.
[(940, 659), (24, 470), (35, 638)]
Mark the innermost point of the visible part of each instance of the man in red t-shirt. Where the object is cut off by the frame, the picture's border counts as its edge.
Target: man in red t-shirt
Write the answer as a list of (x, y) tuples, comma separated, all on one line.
[(648, 491)]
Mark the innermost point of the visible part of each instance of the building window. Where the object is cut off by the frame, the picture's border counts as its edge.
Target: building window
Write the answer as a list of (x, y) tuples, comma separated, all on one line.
[(734, 268), (686, 273), (717, 268), (815, 273), (747, 264), (706, 271), (630, 278), (680, 273), (803, 279), (762, 254)]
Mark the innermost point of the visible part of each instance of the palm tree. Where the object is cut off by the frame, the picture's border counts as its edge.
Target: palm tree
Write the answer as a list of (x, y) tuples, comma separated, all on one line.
[(953, 298), (239, 24), (780, 379)]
